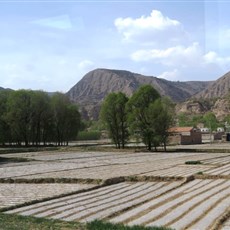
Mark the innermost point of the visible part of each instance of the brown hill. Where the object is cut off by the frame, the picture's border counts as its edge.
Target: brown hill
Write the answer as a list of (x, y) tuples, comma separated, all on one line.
[(213, 99), (89, 92), (218, 89)]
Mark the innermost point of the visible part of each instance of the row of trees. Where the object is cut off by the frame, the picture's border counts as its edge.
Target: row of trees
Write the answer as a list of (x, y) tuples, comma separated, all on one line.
[(34, 117), (145, 115)]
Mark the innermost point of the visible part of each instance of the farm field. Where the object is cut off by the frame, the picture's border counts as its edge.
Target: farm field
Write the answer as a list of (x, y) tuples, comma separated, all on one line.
[(180, 190)]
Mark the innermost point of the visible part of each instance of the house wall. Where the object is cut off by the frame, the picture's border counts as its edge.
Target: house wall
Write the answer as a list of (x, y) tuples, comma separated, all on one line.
[(194, 138), (174, 139), (181, 139)]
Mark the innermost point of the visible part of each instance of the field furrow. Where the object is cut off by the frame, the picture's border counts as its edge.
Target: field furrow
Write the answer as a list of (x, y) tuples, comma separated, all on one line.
[(14, 194), (67, 199), (226, 224), (182, 190), (78, 206), (225, 170), (191, 218), (136, 212), (84, 211), (149, 194), (180, 209), (155, 212)]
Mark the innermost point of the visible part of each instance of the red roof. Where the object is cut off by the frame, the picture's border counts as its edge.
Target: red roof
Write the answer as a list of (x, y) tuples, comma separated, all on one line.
[(180, 129)]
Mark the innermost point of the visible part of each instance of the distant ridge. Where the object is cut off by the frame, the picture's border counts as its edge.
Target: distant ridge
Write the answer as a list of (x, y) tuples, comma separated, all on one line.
[(218, 89), (90, 91)]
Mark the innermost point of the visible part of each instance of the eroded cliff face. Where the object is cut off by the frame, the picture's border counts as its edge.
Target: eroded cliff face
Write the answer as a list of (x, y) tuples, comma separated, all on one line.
[(220, 107), (191, 107), (90, 92), (214, 98), (218, 89)]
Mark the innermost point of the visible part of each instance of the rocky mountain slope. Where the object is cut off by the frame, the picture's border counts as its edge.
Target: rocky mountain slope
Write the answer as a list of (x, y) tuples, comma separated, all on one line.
[(89, 92), (218, 89), (214, 98)]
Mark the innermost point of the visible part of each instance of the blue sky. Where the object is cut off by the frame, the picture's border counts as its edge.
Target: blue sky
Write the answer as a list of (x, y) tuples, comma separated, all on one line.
[(51, 45)]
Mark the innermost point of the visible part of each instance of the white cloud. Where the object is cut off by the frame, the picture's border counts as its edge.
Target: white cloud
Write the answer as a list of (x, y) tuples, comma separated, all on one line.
[(148, 28), (213, 58), (170, 75), (178, 55)]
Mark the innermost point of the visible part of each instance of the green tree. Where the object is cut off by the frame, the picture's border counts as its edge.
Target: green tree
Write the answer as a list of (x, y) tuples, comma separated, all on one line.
[(162, 118), (114, 114), (40, 116), (73, 123), (5, 135), (66, 119), (210, 121), (19, 115), (140, 107), (189, 120)]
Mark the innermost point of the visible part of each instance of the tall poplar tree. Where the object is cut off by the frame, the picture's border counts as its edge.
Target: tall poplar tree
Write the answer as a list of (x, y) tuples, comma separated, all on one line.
[(114, 114)]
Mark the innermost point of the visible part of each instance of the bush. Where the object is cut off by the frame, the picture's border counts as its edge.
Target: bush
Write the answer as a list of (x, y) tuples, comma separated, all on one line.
[(88, 135)]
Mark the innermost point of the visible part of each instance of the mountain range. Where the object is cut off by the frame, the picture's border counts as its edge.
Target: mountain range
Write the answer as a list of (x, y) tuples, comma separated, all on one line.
[(191, 97), (91, 90)]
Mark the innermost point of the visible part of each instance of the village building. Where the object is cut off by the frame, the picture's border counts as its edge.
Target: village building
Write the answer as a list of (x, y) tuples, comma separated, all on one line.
[(184, 136)]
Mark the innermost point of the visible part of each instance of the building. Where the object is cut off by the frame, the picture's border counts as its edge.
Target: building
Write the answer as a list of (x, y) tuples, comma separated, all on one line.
[(184, 136)]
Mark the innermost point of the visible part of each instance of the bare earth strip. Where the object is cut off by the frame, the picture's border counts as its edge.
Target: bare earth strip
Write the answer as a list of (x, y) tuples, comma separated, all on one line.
[(66, 200), (179, 210), (162, 209), (226, 225), (223, 170), (80, 205), (180, 204), (106, 165), (14, 194), (135, 212)]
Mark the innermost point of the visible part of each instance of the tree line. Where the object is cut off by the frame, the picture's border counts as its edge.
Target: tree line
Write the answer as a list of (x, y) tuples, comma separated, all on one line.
[(145, 115), (35, 118)]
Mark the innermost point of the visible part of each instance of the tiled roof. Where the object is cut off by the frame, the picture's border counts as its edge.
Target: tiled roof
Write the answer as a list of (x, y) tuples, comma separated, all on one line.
[(180, 129)]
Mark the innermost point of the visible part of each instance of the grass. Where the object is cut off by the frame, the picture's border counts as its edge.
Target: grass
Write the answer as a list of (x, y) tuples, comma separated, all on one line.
[(100, 225), (16, 222), (88, 135)]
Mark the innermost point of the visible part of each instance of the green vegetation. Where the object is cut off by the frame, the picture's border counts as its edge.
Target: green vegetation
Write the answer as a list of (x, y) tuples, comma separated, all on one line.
[(145, 116), (189, 120), (100, 225), (114, 115), (88, 135), (193, 162), (150, 116), (200, 173), (209, 120), (34, 118), (15, 222)]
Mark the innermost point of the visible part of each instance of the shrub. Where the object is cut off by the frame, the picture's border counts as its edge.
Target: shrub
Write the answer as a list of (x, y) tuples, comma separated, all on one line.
[(88, 135)]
